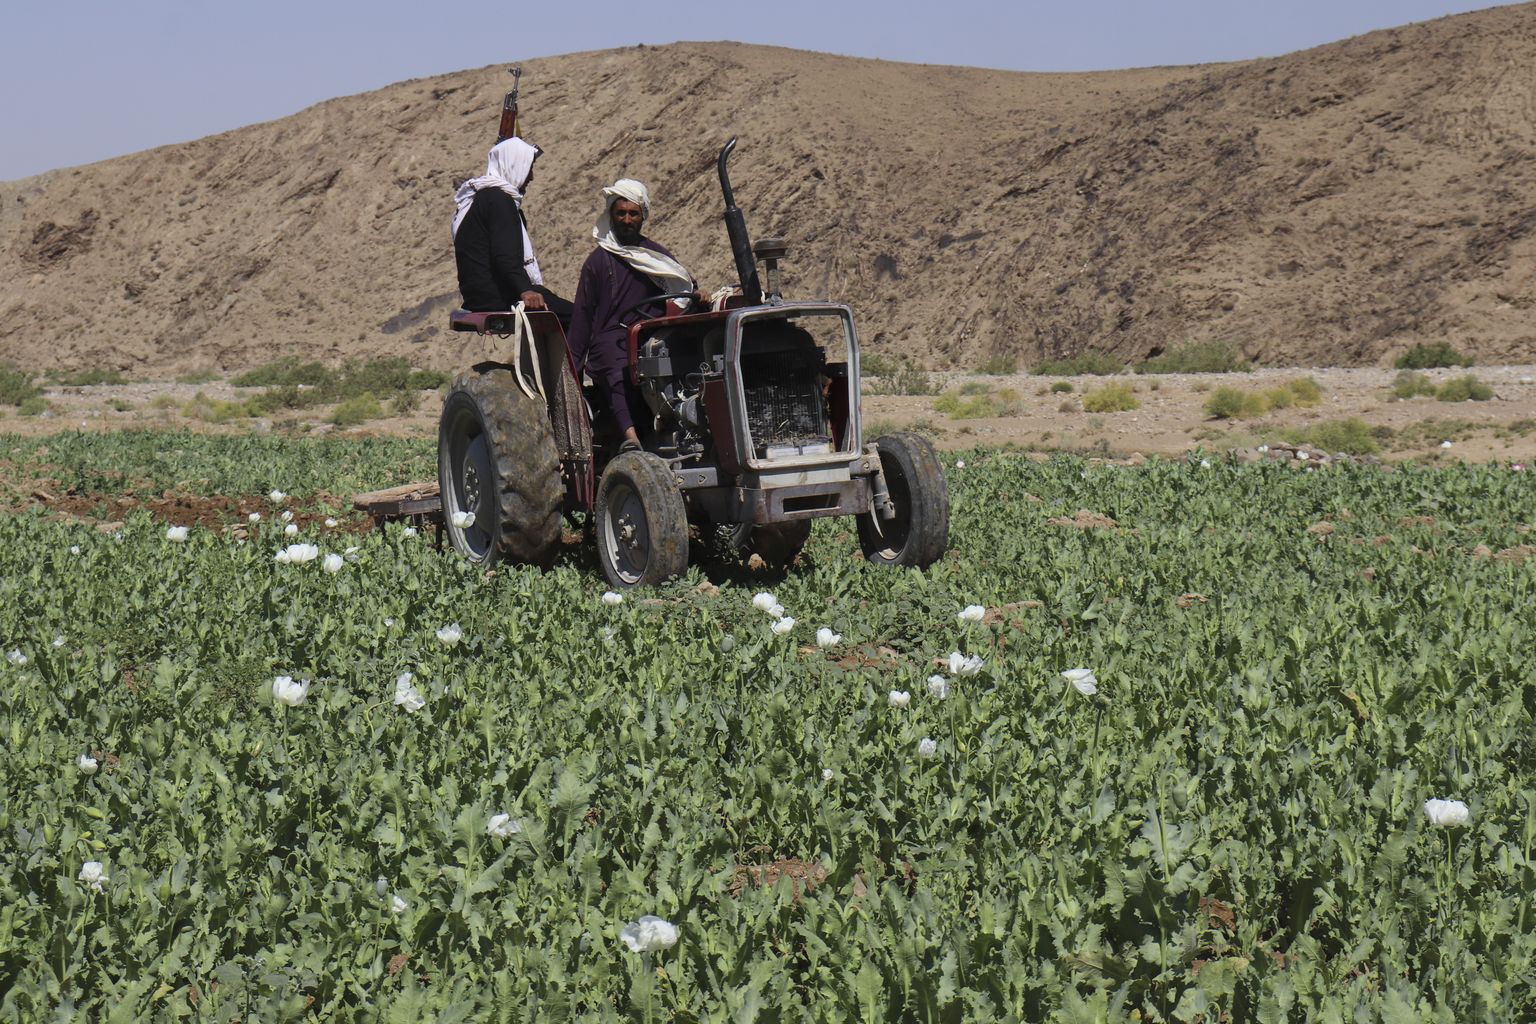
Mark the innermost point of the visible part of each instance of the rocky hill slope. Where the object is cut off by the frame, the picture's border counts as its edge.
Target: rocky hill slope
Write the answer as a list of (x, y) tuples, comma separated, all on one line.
[(1327, 207)]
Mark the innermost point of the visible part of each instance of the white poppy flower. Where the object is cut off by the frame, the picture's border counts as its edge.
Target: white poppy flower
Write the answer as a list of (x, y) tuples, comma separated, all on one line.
[(777, 611), (782, 626), (827, 775), (254, 517), (1205, 463), (58, 639), (87, 764), (1263, 449), (331, 523), (287, 516), (381, 887), (826, 638), (463, 520), (282, 557), (389, 623), (16, 658), (611, 597), (297, 554), (93, 875), (409, 531), (332, 563), (927, 747), (289, 692), (972, 613), (1083, 680), (451, 634), (608, 633), (960, 665), (938, 686), (1303, 456), (763, 601), (74, 549), (898, 698), (277, 495), (503, 826), (291, 530), (959, 463), (398, 905), (406, 695), (1447, 813), (1445, 444), (178, 534), (648, 933)]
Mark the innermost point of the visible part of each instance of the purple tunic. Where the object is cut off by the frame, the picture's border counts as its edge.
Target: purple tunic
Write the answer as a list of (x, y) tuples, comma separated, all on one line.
[(598, 341)]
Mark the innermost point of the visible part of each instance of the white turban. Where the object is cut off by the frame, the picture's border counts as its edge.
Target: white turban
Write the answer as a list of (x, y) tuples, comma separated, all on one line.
[(507, 167), (669, 275)]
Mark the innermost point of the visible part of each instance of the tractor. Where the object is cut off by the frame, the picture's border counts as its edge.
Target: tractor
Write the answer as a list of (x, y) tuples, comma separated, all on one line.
[(753, 433)]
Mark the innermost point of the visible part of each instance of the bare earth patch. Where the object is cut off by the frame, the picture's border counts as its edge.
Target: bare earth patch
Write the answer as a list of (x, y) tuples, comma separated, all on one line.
[(1170, 422)]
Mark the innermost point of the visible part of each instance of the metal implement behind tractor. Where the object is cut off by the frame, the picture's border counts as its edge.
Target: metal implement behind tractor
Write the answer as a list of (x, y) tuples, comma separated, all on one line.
[(754, 432)]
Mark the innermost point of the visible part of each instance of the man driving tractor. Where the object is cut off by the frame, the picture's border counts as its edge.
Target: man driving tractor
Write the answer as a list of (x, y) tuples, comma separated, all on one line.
[(624, 269)]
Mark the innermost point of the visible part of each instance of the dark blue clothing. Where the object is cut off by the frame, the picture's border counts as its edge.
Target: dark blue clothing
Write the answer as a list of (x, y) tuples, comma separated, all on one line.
[(597, 339)]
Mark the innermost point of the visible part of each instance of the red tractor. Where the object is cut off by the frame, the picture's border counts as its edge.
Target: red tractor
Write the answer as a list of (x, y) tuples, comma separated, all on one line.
[(754, 433)]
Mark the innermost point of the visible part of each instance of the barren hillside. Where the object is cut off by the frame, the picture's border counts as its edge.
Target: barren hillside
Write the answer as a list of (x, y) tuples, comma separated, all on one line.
[(1327, 207)]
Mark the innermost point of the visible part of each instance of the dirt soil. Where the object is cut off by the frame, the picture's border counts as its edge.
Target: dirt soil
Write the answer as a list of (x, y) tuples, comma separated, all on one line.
[(1329, 207), (1169, 422)]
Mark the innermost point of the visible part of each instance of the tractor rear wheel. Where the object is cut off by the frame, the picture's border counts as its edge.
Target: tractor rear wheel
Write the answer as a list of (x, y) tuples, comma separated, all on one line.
[(641, 524), (496, 458), (918, 534)]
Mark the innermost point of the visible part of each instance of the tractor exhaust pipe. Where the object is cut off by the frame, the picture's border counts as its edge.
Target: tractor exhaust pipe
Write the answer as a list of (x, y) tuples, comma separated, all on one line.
[(741, 242)]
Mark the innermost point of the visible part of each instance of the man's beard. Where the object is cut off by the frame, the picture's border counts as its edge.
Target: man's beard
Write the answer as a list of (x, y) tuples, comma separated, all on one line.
[(627, 236)]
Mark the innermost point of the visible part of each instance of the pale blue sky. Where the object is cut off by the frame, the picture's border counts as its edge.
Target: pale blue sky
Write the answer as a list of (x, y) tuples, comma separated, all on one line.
[(87, 80)]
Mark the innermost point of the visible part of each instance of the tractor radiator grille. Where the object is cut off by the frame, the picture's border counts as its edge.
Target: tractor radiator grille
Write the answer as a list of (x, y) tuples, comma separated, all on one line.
[(784, 401)]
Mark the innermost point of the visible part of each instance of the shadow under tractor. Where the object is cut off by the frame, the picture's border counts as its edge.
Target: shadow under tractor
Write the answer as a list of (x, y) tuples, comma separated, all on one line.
[(753, 433)]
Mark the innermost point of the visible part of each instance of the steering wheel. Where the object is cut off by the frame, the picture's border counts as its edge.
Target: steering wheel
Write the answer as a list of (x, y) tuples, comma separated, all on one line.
[(651, 301)]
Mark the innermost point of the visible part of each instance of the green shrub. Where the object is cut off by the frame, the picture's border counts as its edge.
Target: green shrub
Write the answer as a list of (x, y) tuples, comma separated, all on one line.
[(1001, 365), (16, 387), (1196, 357), (1235, 404), (969, 406), (1463, 389), (1115, 397), (906, 380), (1061, 387), (875, 364), (1410, 384), (355, 410), (1302, 392), (975, 387), (1429, 357), (284, 373), (214, 410), (32, 406), (1096, 364), (197, 377), (1351, 436)]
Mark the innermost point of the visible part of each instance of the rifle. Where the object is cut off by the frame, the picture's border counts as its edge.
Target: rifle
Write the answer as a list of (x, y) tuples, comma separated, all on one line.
[(509, 109)]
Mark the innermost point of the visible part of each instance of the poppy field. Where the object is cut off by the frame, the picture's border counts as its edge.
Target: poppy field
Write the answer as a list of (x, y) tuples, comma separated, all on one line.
[(1171, 742)]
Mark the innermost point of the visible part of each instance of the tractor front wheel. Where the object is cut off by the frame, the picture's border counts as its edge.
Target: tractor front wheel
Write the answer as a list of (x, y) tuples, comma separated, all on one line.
[(641, 525), (496, 458), (918, 534)]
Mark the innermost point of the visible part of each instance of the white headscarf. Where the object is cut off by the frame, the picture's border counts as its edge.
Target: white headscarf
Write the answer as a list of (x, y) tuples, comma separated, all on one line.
[(669, 275), (507, 167)]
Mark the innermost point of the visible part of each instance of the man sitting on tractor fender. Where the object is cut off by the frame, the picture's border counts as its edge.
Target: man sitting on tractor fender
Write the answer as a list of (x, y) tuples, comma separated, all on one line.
[(623, 270), (497, 267)]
